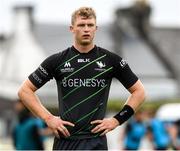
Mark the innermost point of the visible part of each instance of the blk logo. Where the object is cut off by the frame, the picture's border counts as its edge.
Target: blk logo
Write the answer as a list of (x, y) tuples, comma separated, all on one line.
[(83, 60)]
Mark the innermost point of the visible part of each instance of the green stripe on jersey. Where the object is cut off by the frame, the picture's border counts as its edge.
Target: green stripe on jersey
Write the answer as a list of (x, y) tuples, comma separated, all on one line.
[(80, 130), (102, 73), (83, 100), (85, 116)]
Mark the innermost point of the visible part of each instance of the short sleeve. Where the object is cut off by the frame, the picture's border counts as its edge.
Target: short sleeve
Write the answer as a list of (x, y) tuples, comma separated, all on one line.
[(44, 72), (123, 72)]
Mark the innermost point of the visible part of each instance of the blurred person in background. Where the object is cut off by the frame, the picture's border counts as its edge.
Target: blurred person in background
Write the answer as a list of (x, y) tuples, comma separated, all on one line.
[(138, 16), (83, 73), (28, 132), (141, 11), (157, 133), (174, 131), (134, 132)]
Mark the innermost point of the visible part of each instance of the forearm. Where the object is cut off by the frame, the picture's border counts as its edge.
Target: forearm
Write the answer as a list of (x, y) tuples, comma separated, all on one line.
[(133, 102), (32, 102)]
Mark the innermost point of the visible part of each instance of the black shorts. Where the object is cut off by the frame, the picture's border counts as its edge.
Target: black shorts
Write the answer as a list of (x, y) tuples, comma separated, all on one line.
[(97, 143)]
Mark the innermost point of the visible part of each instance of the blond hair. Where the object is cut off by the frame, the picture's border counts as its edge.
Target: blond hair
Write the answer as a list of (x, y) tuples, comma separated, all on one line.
[(86, 12)]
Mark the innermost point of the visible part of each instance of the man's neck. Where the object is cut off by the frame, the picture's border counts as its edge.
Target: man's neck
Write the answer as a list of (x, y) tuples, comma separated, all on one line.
[(84, 49)]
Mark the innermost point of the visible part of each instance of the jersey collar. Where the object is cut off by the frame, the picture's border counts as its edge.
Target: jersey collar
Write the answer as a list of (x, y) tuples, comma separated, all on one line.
[(91, 51)]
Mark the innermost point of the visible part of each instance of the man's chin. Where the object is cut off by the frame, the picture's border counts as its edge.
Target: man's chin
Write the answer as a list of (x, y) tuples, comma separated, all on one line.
[(85, 43)]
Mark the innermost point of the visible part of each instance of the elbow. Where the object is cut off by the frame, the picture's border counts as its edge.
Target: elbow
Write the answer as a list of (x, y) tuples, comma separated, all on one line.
[(20, 93), (140, 94), (143, 94), (25, 91)]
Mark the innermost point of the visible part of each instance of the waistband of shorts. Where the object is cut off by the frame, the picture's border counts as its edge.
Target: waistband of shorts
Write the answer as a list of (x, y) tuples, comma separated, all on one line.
[(84, 136)]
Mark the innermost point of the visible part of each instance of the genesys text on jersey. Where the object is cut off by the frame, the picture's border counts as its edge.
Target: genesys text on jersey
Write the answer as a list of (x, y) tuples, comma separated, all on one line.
[(83, 82)]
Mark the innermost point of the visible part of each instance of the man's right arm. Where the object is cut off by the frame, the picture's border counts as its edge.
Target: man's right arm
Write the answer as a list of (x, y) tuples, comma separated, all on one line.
[(27, 95), (29, 98)]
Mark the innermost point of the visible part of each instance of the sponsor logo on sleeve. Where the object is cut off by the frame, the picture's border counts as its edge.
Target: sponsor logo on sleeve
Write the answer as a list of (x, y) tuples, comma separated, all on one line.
[(123, 63), (37, 78), (43, 70)]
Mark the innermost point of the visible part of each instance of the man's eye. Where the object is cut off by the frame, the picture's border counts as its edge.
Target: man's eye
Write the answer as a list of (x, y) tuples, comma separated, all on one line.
[(81, 25), (90, 25)]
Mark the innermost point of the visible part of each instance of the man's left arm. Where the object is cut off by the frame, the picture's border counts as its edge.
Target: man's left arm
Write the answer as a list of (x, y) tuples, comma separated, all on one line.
[(136, 98)]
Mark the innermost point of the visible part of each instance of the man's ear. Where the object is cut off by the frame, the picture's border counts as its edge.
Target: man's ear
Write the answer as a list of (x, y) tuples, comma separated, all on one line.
[(71, 28), (96, 27)]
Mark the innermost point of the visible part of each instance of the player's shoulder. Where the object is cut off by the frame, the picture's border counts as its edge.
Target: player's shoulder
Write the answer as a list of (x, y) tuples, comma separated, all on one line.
[(65, 51), (109, 53), (59, 54), (54, 59)]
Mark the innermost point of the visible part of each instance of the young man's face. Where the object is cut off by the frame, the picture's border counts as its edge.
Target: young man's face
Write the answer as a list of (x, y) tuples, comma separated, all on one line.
[(84, 30)]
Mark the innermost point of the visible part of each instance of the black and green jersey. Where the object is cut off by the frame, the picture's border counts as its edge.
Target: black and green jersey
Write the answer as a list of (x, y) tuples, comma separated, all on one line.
[(83, 82)]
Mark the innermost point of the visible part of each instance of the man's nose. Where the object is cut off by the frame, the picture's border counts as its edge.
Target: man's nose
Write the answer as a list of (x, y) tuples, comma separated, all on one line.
[(86, 28)]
